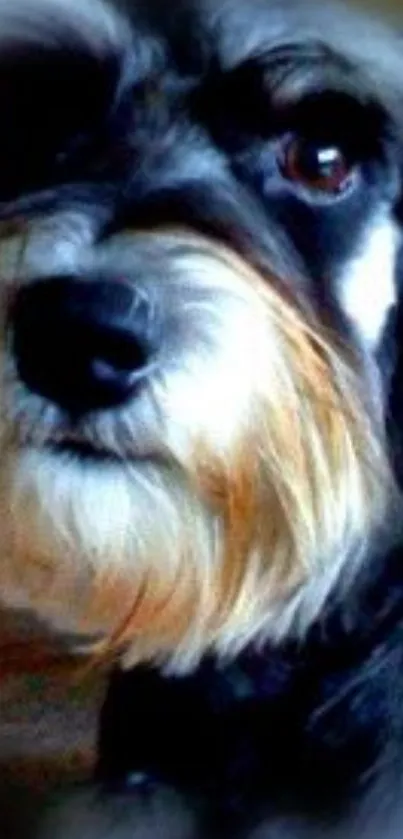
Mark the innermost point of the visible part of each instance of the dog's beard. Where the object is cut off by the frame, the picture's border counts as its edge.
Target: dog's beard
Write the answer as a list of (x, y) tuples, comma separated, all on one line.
[(244, 481)]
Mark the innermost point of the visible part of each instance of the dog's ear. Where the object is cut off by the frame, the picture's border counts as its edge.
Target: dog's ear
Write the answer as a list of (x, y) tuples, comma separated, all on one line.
[(60, 65)]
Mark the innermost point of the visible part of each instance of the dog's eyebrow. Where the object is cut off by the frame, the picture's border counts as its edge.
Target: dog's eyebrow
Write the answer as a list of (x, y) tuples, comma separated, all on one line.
[(293, 87), (91, 25), (289, 72), (304, 45)]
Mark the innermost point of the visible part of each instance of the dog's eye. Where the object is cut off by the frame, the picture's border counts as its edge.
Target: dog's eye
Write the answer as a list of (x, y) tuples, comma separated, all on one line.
[(320, 166)]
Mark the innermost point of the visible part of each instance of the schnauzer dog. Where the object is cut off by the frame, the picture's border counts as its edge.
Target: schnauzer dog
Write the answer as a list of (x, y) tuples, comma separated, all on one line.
[(200, 394)]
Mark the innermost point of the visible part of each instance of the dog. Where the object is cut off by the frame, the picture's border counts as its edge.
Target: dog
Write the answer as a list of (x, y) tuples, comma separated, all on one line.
[(201, 215)]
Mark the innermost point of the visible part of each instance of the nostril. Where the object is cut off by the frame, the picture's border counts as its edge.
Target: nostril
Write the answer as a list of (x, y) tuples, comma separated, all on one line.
[(84, 345), (119, 348)]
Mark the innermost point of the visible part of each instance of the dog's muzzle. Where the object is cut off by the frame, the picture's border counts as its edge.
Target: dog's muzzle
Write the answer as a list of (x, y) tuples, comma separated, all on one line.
[(187, 464)]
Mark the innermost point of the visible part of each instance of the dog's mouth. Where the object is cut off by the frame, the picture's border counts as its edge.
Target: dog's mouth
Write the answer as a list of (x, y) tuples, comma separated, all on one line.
[(72, 448), (87, 452), (84, 451)]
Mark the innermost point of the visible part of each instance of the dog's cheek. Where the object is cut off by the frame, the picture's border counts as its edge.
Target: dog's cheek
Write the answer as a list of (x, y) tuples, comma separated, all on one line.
[(367, 285)]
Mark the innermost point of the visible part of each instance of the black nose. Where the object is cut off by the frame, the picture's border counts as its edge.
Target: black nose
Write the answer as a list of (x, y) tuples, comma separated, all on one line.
[(83, 345)]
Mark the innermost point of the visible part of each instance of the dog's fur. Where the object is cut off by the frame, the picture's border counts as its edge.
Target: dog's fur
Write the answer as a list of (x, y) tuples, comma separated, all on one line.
[(235, 533)]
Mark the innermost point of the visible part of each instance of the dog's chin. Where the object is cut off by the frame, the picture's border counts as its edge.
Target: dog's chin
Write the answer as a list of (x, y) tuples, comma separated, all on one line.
[(103, 547), (230, 527)]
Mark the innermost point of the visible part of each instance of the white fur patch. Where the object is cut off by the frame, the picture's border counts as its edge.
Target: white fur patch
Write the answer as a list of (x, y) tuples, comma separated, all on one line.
[(368, 288)]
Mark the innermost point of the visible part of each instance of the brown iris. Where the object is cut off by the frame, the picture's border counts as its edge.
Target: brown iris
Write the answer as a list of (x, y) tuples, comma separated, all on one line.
[(318, 166)]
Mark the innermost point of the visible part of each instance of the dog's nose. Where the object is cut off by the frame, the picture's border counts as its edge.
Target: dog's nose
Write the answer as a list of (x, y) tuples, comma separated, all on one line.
[(83, 345)]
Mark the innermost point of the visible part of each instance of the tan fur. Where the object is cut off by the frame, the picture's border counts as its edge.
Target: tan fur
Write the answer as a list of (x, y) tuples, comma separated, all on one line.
[(261, 481)]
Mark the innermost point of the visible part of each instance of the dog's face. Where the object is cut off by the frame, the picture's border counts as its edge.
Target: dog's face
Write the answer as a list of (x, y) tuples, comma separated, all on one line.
[(198, 264)]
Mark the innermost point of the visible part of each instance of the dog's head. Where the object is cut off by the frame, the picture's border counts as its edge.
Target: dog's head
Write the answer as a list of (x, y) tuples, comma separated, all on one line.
[(198, 277)]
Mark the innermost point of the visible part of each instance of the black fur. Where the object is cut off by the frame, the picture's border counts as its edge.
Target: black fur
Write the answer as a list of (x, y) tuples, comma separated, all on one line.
[(304, 739), (307, 738), (313, 730)]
